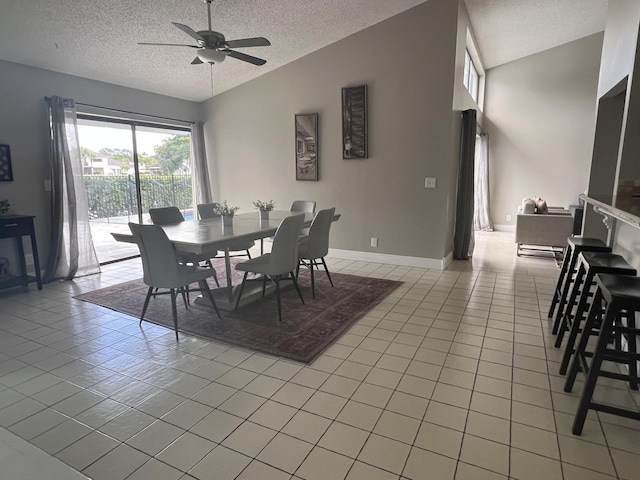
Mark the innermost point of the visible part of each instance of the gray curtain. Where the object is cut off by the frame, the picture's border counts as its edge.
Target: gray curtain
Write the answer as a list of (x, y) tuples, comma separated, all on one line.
[(200, 177), (71, 253), (482, 214), (463, 235)]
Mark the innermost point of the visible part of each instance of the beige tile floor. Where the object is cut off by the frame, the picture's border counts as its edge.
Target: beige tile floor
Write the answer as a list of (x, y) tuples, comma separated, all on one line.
[(453, 376)]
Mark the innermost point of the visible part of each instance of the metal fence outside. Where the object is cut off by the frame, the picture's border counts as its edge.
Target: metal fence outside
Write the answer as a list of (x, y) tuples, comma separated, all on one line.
[(115, 195)]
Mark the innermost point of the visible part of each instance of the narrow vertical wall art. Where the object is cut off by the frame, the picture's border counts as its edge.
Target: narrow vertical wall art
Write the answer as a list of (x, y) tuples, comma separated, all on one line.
[(6, 174), (307, 146), (354, 122)]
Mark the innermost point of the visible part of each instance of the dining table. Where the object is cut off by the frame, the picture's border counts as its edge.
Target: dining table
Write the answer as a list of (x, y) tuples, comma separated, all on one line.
[(210, 235)]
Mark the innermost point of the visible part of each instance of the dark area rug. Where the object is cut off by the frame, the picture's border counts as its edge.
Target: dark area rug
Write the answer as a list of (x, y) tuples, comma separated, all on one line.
[(305, 332)]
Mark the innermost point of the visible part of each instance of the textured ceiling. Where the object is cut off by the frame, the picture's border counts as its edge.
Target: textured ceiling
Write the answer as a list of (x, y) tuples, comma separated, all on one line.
[(98, 39)]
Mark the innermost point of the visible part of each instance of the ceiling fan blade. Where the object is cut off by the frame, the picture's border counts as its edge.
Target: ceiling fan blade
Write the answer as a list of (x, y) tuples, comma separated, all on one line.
[(196, 61), (248, 42), (169, 44), (245, 58), (189, 31)]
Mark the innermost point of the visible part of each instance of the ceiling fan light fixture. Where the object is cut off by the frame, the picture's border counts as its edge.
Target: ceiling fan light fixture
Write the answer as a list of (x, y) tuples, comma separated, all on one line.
[(211, 55)]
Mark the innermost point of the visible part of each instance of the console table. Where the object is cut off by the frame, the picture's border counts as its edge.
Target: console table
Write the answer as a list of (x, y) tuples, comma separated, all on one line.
[(18, 226)]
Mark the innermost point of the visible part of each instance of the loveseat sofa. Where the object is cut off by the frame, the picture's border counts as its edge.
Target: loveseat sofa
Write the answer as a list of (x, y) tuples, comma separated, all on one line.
[(549, 229)]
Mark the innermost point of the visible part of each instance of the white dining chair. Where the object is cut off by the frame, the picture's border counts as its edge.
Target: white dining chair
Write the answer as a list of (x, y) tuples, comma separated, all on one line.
[(280, 263), (164, 270), (207, 210), (314, 247)]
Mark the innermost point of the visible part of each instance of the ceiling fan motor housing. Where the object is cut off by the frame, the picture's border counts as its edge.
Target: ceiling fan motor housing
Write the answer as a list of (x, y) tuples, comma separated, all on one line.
[(212, 39)]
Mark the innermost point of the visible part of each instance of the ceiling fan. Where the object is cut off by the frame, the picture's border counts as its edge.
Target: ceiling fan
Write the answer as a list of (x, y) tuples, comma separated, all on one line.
[(213, 48)]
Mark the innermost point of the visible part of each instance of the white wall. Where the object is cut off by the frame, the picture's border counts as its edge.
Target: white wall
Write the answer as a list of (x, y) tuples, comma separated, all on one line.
[(619, 45), (408, 63), (540, 117), (24, 127), (621, 64)]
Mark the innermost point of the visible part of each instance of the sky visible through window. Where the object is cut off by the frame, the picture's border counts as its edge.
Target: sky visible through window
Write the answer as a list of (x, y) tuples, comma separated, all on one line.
[(96, 137)]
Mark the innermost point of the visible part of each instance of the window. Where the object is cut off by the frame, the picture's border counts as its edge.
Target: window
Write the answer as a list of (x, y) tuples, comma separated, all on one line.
[(471, 78), (129, 167)]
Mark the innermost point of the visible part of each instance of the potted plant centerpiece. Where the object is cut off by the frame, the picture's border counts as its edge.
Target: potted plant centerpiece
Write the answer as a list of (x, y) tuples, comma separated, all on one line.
[(227, 212), (264, 207)]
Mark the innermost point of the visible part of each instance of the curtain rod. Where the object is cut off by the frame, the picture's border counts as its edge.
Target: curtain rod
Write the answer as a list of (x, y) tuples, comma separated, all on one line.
[(131, 113)]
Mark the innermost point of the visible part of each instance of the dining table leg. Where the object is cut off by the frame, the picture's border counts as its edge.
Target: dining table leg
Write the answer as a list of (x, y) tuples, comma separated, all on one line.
[(227, 266)]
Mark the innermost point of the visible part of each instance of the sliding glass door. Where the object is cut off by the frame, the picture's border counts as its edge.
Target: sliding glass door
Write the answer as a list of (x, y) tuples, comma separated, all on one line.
[(129, 167)]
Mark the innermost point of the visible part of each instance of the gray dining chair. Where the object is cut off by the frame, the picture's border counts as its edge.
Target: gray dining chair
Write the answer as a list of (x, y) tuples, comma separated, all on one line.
[(280, 263), (207, 210), (303, 206), (163, 269), (166, 215), (172, 215), (314, 247), (306, 206)]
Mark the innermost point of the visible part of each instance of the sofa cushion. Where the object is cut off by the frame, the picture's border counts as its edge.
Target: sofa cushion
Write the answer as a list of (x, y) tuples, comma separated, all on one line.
[(528, 206), (541, 205)]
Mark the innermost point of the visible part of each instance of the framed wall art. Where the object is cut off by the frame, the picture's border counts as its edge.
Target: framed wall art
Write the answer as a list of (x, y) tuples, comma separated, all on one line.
[(6, 174), (307, 146), (354, 122)]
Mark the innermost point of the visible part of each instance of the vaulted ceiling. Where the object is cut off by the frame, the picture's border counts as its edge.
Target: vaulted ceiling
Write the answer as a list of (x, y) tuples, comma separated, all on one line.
[(510, 29), (99, 40)]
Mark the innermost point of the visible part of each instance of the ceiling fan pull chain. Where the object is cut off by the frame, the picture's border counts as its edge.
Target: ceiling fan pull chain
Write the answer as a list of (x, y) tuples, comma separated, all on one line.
[(211, 70)]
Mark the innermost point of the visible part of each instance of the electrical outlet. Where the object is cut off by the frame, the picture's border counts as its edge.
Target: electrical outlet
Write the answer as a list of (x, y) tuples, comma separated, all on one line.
[(508, 218), (47, 184), (28, 259), (374, 242), (429, 182)]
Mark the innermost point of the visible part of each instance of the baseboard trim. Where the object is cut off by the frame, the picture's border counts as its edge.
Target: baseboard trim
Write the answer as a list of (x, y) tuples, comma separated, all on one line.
[(447, 260), (391, 259), (504, 228)]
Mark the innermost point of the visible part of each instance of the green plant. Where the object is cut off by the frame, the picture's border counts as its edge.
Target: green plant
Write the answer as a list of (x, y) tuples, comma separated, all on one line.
[(224, 209), (4, 205), (264, 206)]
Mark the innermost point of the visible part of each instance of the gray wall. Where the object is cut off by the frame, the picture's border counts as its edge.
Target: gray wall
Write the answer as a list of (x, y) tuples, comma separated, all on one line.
[(412, 64), (540, 117), (408, 64), (24, 126)]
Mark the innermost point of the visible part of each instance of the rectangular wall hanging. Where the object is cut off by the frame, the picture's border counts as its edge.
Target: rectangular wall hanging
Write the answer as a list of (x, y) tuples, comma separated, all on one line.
[(354, 122), (6, 174), (307, 146)]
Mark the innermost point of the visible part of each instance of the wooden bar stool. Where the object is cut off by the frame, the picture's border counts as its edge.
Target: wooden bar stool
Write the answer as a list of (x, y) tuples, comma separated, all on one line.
[(575, 245), (620, 296), (588, 265)]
